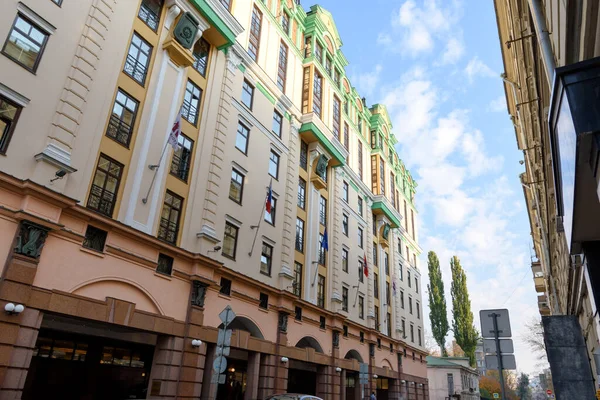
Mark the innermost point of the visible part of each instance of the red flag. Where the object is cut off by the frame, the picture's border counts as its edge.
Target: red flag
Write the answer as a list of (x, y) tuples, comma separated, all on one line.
[(175, 132), (269, 198), (366, 267)]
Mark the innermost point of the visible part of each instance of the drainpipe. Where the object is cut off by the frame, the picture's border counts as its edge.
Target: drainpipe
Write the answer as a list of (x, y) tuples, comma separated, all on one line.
[(539, 22)]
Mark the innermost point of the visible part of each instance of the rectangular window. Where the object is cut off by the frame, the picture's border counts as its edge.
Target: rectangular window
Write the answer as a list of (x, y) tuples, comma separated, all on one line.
[(345, 224), (393, 189), (386, 263), (362, 336), (328, 66), (382, 175), (266, 258), (321, 292), (417, 284), (274, 165), (323, 211), (255, 26), (103, 193), (336, 79), (375, 254), (322, 322), (360, 238), (318, 51), (418, 310), (376, 285), (200, 53), (346, 136), (412, 335), (410, 309), (408, 278), (359, 125), (236, 187), (389, 325), (226, 4), (225, 287), (282, 67), (401, 299), (415, 260), (412, 222), (241, 140), (299, 235), (264, 301), (277, 123), (360, 160), (317, 94), (303, 155), (230, 240), (336, 118), (138, 59), (122, 118), (420, 337), (9, 115), (190, 108), (376, 311), (373, 140), (285, 23), (297, 284), (301, 193), (169, 219), (298, 313), (374, 187), (247, 94), (322, 253), (345, 330), (270, 216), (405, 222), (360, 206), (404, 333), (165, 264), (361, 271), (401, 272), (25, 43), (150, 13), (388, 294), (361, 307), (95, 238), (345, 260), (346, 106), (182, 158), (344, 299), (345, 191)]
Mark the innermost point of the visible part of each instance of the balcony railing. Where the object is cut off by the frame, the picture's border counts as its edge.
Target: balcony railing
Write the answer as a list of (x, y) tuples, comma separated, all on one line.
[(101, 200), (119, 130), (167, 230)]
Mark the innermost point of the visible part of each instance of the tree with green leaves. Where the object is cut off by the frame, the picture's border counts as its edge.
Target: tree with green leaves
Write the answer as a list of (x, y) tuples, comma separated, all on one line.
[(523, 389), (465, 333), (437, 303)]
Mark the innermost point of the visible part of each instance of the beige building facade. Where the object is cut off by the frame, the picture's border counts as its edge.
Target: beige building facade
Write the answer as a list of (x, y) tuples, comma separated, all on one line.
[(452, 378), (543, 43), (122, 242)]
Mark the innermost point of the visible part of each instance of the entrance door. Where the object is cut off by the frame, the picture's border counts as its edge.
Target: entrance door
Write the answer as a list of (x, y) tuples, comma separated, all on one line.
[(352, 386), (382, 388), (67, 366), (235, 381)]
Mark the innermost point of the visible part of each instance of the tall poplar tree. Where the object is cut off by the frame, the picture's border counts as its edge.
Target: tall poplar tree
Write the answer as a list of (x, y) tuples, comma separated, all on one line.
[(462, 324), (437, 303)]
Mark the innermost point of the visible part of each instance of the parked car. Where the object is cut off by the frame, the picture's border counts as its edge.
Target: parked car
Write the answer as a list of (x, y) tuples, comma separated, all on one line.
[(293, 396)]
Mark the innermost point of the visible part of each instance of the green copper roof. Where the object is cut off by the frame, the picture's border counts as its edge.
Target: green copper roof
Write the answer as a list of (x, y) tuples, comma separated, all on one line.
[(444, 361), (322, 138), (381, 205)]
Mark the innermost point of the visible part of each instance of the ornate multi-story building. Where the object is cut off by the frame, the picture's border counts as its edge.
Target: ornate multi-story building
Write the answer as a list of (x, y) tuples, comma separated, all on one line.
[(141, 141), (550, 51)]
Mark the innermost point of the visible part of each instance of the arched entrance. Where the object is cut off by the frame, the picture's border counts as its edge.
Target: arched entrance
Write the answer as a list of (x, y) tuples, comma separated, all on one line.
[(236, 374), (302, 376), (352, 378)]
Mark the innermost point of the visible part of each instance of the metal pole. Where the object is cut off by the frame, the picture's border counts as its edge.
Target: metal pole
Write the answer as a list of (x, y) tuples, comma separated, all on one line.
[(539, 22), (500, 376)]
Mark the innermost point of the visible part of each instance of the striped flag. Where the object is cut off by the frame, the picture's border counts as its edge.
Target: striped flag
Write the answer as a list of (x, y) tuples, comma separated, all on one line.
[(268, 205), (325, 242), (366, 268), (175, 132)]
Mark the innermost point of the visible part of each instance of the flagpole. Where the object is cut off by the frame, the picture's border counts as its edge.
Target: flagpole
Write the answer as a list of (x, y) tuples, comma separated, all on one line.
[(154, 168), (356, 297), (262, 216)]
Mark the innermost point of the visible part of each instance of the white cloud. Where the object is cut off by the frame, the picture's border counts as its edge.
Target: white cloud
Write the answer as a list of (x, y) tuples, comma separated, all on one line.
[(473, 149), (498, 104), (367, 82), (476, 68), (453, 52)]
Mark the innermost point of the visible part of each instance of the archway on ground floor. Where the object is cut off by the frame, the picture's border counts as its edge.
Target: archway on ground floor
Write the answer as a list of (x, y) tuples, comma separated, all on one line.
[(353, 355), (309, 341), (382, 386), (245, 324), (352, 377)]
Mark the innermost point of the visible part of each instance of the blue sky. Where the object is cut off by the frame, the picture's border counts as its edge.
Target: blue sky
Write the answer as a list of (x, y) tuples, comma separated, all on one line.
[(436, 65)]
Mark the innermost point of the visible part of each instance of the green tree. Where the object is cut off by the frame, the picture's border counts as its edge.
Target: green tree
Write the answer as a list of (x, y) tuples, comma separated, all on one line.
[(523, 389), (462, 324), (437, 303)]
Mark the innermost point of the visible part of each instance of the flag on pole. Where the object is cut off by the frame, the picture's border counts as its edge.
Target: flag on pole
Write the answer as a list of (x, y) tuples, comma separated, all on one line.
[(175, 132), (325, 242), (366, 267), (394, 285), (268, 205)]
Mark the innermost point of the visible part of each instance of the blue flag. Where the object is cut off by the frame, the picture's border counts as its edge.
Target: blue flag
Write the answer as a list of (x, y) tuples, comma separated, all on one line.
[(325, 242)]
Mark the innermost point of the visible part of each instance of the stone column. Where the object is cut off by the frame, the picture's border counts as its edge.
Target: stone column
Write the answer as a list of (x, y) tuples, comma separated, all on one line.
[(342, 395), (252, 376), (327, 388), (18, 332), (266, 376), (165, 368), (209, 389)]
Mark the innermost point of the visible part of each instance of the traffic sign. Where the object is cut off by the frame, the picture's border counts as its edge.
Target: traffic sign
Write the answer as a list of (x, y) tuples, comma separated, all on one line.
[(487, 323), (224, 337), (220, 364), (218, 378), (227, 315), (496, 396), (508, 361), (506, 346)]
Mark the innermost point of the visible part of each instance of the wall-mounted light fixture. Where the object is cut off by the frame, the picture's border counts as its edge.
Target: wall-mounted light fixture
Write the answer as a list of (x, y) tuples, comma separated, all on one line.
[(375, 376), (284, 360), (338, 369), (196, 342), (12, 309)]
